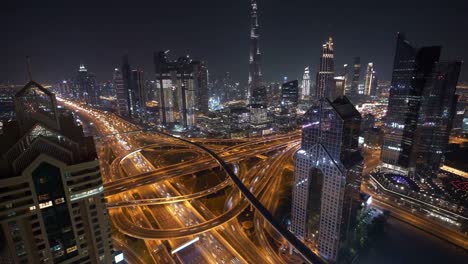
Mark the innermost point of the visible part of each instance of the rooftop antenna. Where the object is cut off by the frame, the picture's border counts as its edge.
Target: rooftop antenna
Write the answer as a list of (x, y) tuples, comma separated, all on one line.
[(28, 63)]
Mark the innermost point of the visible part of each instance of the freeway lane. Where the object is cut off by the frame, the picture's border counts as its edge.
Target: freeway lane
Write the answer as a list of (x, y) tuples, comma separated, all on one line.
[(296, 243), (172, 199), (190, 167), (240, 204), (190, 212), (123, 144)]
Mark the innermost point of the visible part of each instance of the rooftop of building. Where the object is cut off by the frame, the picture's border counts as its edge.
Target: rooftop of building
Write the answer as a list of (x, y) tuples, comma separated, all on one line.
[(345, 108), (41, 128)]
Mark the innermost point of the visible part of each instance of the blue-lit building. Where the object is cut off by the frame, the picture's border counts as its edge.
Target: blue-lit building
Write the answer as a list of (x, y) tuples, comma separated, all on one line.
[(327, 177)]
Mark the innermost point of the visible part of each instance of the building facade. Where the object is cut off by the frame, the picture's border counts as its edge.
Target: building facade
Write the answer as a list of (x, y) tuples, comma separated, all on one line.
[(182, 84), (354, 89), (325, 83), (340, 84), (51, 186), (201, 94), (327, 177), (87, 89), (127, 84), (305, 86), (139, 94), (412, 69), (370, 83), (290, 96), (436, 114), (255, 56), (121, 93)]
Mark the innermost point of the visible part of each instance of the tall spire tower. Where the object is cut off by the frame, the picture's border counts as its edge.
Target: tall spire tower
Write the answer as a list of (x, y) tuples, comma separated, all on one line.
[(325, 83), (255, 72)]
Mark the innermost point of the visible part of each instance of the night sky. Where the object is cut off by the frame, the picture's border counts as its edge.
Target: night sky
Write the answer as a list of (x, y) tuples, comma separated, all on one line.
[(60, 35)]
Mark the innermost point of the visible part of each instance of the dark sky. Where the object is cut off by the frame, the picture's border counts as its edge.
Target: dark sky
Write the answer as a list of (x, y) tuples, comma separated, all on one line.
[(59, 35)]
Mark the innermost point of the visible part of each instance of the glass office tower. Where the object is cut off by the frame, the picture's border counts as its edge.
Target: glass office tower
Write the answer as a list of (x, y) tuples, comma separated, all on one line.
[(327, 176)]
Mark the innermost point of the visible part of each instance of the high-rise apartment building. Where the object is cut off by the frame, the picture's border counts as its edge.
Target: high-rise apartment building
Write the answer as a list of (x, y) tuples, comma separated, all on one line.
[(325, 84), (51, 187), (327, 176), (121, 93), (370, 83), (305, 86)]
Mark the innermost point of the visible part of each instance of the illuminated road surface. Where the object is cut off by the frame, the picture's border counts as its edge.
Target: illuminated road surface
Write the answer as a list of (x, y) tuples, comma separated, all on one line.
[(213, 247)]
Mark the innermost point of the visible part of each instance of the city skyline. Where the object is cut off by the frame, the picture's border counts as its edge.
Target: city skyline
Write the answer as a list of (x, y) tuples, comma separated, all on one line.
[(69, 31), (242, 141)]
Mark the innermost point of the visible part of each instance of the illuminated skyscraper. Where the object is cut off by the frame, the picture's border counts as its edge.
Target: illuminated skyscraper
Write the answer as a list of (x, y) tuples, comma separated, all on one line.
[(340, 82), (286, 118), (345, 75), (370, 84), (51, 186), (139, 93), (230, 91), (412, 69), (201, 94), (127, 83), (327, 176), (65, 89), (437, 111), (182, 83), (121, 93), (257, 92), (290, 96), (305, 86), (325, 84), (258, 98), (354, 90), (87, 89), (255, 60)]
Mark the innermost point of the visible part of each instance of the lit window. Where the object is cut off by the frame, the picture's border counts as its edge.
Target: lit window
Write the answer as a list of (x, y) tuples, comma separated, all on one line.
[(71, 249), (45, 205)]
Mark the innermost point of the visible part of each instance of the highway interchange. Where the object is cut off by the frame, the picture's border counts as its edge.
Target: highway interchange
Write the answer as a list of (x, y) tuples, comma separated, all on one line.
[(148, 201), (151, 195)]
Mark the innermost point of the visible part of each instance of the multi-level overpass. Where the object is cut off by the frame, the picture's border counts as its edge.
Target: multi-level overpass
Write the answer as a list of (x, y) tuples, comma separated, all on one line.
[(145, 200)]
